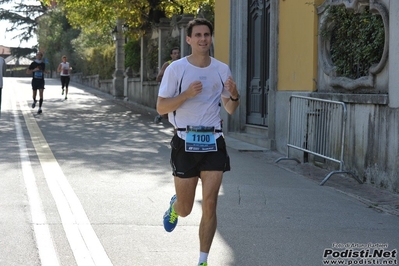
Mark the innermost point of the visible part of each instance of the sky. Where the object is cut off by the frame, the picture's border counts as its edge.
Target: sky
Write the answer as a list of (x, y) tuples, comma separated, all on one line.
[(6, 37)]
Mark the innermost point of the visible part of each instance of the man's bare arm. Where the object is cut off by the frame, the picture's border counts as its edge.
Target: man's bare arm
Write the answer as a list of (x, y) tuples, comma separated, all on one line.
[(167, 105), (161, 72)]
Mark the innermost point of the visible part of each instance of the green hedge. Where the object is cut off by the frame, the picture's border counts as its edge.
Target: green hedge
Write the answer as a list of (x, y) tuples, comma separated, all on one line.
[(357, 41)]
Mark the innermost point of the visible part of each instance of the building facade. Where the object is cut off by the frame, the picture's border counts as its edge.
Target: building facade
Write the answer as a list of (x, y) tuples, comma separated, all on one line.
[(276, 51)]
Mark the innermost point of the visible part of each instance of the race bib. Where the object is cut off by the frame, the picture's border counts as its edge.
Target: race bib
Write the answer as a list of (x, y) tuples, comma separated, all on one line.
[(65, 71), (200, 139), (38, 74)]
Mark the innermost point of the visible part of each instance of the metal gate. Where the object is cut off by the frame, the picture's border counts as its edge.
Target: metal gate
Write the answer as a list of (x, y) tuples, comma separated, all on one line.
[(258, 62), (317, 126)]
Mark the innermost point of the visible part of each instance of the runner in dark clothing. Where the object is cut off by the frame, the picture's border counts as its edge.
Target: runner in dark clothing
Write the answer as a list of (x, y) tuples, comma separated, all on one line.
[(37, 69)]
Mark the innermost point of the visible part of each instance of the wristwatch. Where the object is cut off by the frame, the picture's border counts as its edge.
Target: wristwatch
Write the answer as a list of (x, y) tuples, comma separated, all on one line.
[(235, 99)]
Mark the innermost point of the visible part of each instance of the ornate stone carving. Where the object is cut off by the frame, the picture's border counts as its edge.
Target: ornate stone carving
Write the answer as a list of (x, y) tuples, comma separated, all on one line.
[(325, 56)]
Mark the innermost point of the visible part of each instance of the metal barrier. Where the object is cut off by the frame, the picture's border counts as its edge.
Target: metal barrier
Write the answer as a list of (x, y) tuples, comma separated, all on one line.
[(317, 126)]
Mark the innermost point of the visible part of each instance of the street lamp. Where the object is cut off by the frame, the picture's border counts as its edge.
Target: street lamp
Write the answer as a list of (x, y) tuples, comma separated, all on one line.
[(118, 76), (125, 27), (114, 33)]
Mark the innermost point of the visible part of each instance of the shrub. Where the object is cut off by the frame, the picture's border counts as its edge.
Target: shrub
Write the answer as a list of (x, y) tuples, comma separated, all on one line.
[(357, 41)]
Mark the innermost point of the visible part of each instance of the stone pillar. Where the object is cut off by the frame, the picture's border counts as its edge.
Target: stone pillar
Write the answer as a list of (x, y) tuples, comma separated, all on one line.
[(163, 26), (182, 24), (393, 54), (142, 43), (128, 74), (118, 76)]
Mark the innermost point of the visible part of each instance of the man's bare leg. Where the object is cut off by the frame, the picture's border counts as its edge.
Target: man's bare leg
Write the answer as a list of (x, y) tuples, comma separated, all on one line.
[(211, 182), (185, 193)]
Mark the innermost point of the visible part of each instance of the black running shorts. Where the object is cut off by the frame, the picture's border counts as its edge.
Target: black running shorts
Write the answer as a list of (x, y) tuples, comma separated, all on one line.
[(37, 84), (190, 164)]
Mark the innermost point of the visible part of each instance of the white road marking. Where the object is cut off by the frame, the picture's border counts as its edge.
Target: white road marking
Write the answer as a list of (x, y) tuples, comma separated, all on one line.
[(84, 242), (47, 253)]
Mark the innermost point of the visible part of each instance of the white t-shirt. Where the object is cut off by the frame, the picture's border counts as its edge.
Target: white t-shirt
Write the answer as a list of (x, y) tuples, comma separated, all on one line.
[(64, 69), (204, 108)]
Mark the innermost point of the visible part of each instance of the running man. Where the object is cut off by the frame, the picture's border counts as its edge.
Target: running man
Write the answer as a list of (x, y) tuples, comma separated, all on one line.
[(37, 69), (64, 69), (191, 92)]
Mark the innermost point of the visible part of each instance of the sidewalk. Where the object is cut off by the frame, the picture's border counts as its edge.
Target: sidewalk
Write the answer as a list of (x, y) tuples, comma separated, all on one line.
[(379, 199)]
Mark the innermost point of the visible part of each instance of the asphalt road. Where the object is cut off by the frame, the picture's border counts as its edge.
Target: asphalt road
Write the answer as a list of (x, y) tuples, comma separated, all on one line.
[(87, 182)]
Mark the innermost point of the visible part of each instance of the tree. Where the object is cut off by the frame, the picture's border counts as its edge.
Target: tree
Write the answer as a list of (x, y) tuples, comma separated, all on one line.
[(97, 18), (55, 36), (139, 15), (132, 54), (22, 17)]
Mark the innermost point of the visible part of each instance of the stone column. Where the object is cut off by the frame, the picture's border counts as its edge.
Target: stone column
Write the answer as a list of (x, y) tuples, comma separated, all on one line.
[(118, 76), (127, 75), (182, 24), (393, 54), (163, 27), (142, 43)]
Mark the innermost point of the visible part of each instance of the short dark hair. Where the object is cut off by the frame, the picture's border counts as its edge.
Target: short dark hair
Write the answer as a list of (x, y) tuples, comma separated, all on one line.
[(174, 48), (196, 22)]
